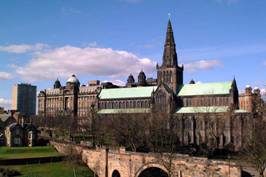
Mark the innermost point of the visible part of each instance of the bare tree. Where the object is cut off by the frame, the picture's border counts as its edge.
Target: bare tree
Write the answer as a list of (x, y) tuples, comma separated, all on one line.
[(254, 151)]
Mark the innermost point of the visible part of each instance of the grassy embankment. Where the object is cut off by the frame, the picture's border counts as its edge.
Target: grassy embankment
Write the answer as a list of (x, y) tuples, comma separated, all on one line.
[(27, 152), (54, 169)]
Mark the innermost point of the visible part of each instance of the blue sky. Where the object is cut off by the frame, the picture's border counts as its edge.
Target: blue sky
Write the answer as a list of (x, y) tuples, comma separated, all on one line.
[(109, 39)]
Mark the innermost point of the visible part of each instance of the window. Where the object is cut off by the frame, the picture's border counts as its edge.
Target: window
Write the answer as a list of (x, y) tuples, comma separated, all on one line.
[(17, 132), (17, 141)]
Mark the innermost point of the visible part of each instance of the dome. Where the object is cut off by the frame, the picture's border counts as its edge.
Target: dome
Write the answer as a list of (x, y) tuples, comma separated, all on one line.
[(73, 79)]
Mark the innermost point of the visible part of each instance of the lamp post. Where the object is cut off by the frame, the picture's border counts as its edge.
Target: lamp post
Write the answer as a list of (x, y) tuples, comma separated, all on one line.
[(93, 124)]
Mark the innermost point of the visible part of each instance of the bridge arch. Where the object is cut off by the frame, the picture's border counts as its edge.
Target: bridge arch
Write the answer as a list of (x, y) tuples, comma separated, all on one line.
[(152, 168), (116, 174)]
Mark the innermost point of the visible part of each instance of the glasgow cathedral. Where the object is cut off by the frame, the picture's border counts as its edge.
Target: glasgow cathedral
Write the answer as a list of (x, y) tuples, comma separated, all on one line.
[(196, 107)]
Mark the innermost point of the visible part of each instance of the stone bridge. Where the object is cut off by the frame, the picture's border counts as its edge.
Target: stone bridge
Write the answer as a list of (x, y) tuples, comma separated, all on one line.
[(120, 163)]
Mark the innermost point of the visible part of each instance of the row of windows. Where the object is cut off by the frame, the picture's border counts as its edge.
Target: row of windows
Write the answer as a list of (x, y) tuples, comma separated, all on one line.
[(124, 104), (61, 105), (166, 76), (51, 102), (82, 113), (87, 97), (206, 101), (160, 98), (199, 138)]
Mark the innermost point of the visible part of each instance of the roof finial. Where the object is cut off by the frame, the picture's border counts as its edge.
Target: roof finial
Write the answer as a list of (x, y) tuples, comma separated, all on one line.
[(169, 16)]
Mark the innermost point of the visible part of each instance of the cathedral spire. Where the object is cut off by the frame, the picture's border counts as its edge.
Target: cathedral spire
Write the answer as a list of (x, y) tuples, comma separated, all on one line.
[(169, 55), (169, 72)]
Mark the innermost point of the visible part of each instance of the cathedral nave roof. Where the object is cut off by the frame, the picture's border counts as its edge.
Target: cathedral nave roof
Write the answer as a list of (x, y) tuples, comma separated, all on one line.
[(125, 93), (215, 88)]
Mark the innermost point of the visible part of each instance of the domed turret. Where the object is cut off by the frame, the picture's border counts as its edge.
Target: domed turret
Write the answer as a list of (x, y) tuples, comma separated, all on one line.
[(142, 78), (248, 90), (73, 80), (192, 82), (130, 79), (57, 84), (256, 90)]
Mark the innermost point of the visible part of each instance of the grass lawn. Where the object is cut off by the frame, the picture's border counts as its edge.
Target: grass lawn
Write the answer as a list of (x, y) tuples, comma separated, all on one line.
[(56, 169), (27, 152)]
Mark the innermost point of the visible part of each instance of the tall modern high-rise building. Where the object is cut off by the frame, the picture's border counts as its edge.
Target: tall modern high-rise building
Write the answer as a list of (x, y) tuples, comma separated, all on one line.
[(24, 99)]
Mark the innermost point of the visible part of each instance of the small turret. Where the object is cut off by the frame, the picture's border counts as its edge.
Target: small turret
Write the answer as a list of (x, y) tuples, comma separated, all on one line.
[(257, 91), (192, 81), (141, 79), (130, 79), (57, 84), (248, 90)]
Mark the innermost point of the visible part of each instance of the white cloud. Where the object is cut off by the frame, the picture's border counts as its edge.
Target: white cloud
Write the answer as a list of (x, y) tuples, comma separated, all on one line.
[(66, 60), (263, 91), (116, 82), (23, 48), (5, 103), (5, 76), (202, 65)]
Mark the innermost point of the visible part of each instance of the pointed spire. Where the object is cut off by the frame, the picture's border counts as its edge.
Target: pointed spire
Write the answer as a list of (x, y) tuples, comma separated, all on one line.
[(234, 80), (169, 35), (169, 56)]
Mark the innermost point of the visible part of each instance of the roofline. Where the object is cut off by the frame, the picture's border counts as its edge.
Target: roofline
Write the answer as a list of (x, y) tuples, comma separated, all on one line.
[(202, 95), (130, 98)]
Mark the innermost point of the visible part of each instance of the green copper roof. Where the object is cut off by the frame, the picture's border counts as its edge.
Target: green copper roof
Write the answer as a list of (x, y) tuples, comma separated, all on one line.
[(123, 111), (204, 109), (216, 88), (123, 93)]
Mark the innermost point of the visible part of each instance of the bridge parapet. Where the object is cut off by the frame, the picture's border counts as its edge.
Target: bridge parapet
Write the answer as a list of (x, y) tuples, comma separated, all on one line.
[(105, 162)]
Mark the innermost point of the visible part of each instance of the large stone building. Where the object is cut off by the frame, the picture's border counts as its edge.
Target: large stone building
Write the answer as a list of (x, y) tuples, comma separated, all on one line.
[(24, 99), (72, 100), (204, 112)]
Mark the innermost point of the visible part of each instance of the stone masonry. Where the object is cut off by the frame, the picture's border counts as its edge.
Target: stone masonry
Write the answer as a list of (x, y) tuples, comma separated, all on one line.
[(130, 164)]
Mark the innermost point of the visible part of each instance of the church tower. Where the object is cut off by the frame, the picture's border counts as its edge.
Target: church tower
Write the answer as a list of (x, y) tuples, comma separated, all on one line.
[(169, 72)]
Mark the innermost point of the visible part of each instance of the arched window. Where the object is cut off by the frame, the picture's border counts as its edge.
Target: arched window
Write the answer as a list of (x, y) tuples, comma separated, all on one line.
[(141, 104), (127, 103), (112, 105), (147, 104), (138, 104)]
